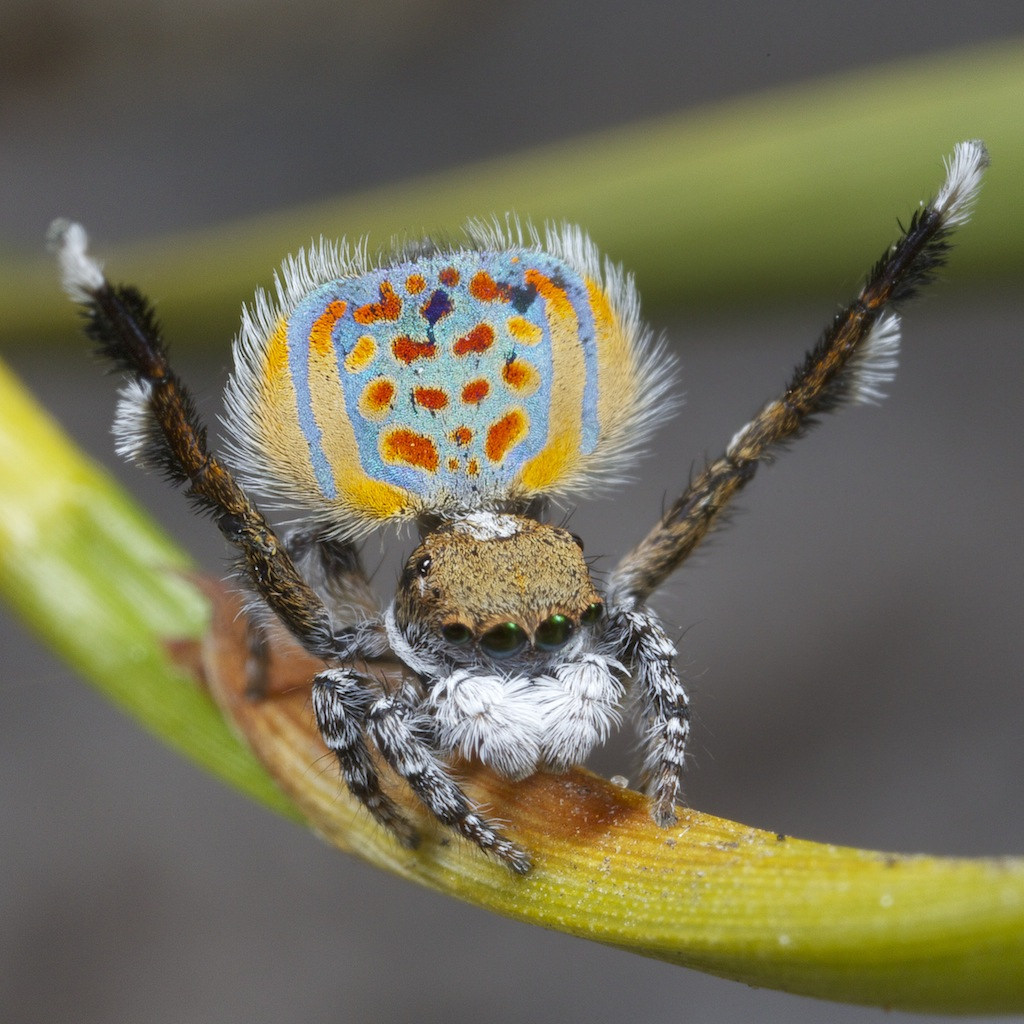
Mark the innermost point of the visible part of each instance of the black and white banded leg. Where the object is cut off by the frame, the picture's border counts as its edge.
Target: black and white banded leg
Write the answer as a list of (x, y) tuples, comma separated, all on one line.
[(157, 425), (664, 708), (399, 737), (341, 703)]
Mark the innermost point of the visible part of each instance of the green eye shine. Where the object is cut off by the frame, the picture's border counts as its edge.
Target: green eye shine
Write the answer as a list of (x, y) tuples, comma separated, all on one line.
[(592, 614), (554, 632), (504, 640), (457, 633)]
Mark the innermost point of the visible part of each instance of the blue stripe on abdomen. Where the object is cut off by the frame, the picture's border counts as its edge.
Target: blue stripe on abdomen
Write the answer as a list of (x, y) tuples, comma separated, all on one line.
[(300, 323)]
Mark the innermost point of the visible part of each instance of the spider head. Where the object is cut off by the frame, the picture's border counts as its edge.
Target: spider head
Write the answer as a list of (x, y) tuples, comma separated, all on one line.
[(499, 586)]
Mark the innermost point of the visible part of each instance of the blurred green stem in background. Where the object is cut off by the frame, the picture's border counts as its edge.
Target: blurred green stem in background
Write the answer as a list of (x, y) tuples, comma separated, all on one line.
[(753, 199), (757, 199)]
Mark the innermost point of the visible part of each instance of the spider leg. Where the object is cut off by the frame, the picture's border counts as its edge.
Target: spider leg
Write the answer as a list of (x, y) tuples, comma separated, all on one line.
[(158, 425), (333, 569), (341, 702), (664, 707), (855, 355), (393, 727), (257, 659)]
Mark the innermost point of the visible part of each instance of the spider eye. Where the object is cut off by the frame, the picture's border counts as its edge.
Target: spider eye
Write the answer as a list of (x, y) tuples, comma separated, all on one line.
[(554, 632), (592, 614), (504, 640), (578, 539), (424, 564), (457, 633)]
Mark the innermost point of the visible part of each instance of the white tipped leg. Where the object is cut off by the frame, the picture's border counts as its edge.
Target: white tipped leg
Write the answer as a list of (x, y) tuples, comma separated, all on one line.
[(964, 170), (81, 276)]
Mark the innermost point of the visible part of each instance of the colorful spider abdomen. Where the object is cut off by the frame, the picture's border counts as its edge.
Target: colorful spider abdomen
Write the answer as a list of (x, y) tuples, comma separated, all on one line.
[(441, 371), (452, 381)]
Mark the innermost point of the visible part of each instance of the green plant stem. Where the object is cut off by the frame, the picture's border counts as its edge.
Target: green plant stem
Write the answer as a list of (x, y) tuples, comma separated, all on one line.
[(94, 578), (97, 581)]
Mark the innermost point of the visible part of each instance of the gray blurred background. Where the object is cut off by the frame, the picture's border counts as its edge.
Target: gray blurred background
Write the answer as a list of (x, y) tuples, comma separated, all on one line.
[(852, 641)]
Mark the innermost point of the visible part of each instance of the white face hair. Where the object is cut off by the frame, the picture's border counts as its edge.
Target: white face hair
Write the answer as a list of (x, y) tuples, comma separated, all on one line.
[(461, 387)]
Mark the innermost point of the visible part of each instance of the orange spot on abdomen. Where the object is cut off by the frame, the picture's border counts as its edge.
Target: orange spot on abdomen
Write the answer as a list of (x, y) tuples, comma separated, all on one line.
[(521, 328), (479, 340), (323, 326), (375, 401), (433, 399), (521, 376), (475, 391), (486, 289), (389, 307), (504, 434), (449, 276), (408, 350), (403, 445), (414, 284), (362, 354)]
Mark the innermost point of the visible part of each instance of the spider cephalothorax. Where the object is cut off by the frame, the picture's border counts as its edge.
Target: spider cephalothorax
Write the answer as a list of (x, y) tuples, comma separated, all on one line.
[(499, 587), (461, 387), (500, 617)]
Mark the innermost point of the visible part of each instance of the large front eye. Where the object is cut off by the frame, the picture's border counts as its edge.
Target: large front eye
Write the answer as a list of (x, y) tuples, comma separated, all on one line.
[(554, 632), (504, 640), (457, 633)]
